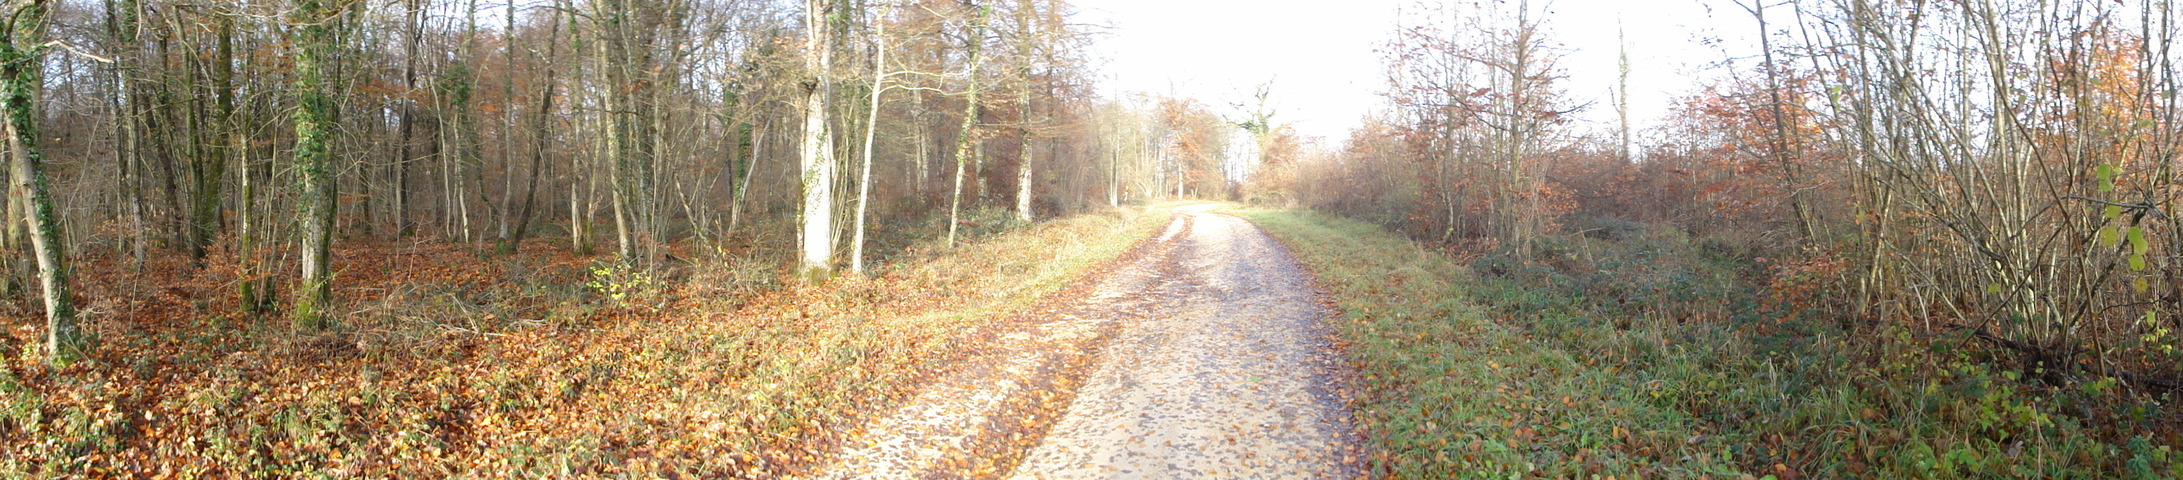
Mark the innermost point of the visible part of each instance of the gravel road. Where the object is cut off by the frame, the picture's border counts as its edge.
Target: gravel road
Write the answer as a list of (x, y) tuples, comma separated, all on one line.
[(1198, 355)]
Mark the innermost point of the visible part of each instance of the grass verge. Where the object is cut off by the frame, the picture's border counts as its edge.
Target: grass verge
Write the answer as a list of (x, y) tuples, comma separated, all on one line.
[(1642, 357), (1448, 393)]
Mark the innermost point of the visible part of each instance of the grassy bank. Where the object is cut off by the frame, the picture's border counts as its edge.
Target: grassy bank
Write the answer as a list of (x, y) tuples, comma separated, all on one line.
[(553, 365), (1447, 392), (1645, 355)]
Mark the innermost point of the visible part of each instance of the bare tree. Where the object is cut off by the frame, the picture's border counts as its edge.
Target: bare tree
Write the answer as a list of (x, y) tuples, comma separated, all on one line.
[(871, 130), (22, 48)]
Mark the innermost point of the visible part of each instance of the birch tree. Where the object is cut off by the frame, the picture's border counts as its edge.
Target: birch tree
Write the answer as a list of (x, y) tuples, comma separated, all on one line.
[(871, 130)]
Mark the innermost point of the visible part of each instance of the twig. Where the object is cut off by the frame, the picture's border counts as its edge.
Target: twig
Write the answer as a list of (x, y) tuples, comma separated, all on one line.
[(77, 51), (2147, 207)]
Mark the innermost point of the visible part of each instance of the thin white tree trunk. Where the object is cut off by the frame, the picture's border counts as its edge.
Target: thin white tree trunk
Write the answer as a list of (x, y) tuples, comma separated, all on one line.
[(871, 128)]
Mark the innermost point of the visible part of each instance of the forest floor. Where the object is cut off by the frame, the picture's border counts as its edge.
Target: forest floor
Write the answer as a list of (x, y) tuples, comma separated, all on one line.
[(450, 361), (1200, 354)]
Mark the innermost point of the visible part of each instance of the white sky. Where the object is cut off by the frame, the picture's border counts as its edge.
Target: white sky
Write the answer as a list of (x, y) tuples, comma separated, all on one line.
[(1320, 53)]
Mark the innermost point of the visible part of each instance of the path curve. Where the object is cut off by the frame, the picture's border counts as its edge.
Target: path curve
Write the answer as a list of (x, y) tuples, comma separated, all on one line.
[(1199, 355)]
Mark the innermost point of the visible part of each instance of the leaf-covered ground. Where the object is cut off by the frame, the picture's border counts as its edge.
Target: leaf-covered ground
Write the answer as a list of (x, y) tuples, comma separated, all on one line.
[(547, 363)]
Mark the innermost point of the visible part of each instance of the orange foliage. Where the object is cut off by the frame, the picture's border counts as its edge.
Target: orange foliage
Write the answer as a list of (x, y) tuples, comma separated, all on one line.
[(1195, 142)]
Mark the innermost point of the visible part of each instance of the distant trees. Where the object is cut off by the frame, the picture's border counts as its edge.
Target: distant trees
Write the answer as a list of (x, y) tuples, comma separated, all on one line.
[(1516, 114), (2004, 171), (1276, 145), (1724, 171), (1193, 149), (1478, 106)]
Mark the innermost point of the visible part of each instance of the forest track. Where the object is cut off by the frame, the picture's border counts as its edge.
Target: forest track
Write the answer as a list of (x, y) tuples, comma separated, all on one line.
[(1199, 354)]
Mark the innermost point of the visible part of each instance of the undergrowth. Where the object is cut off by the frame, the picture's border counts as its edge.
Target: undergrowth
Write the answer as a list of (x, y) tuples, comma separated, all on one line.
[(1642, 353), (1746, 346), (454, 362)]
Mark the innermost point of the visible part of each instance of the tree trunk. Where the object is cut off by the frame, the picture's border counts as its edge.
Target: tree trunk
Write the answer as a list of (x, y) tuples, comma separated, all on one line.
[(619, 62), (503, 224), (460, 85), (20, 78), (1027, 51), (402, 158), (1784, 158), (737, 135), (251, 288), (579, 232), (871, 129), (817, 148), (963, 136), (540, 129), (316, 199), (742, 190), (1114, 176), (923, 173), (122, 23)]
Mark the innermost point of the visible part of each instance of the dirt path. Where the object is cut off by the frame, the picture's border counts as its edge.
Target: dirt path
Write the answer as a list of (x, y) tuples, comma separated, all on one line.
[(1196, 356)]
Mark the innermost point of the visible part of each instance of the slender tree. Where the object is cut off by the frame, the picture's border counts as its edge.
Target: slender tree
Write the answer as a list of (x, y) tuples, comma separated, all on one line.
[(22, 47), (122, 29), (871, 129), (541, 116), (1027, 46), (965, 137)]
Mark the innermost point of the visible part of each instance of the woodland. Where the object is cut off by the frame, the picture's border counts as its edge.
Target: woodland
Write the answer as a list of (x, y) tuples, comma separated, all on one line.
[(673, 238)]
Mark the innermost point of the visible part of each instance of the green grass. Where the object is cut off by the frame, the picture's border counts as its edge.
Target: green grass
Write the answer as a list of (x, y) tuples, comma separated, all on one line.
[(1651, 356), (1449, 393)]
